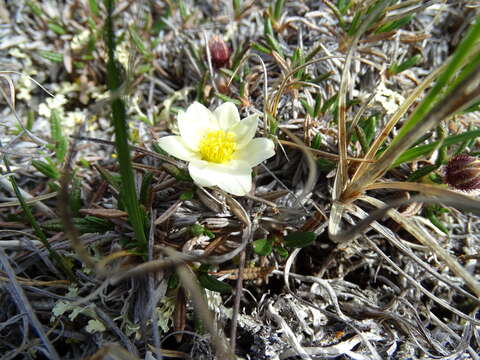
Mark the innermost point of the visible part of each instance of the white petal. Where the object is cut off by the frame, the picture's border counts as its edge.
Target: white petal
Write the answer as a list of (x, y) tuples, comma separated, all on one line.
[(256, 151), (175, 146), (245, 130), (234, 177), (202, 174), (227, 115), (194, 123)]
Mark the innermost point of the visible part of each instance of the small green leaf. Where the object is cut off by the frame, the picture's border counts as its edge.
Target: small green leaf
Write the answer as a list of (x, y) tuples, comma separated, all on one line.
[(47, 169), (431, 212), (93, 7), (267, 26), (263, 247), (369, 126), (277, 12), (57, 136), (261, 48), (328, 104), (362, 138), (186, 195), (226, 98), (343, 5), (317, 141), (274, 44), (145, 189), (423, 171), (211, 283), (36, 10), (393, 25), (312, 53), (75, 196), (173, 281), (318, 105), (197, 230), (111, 178), (57, 29), (137, 40), (281, 251), (237, 7), (52, 56), (299, 239), (88, 224), (474, 107), (407, 64), (307, 107), (325, 165), (355, 24)]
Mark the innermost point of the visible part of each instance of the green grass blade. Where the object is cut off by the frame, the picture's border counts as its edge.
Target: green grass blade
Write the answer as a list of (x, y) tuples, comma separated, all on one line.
[(59, 260), (418, 151), (463, 51), (119, 119)]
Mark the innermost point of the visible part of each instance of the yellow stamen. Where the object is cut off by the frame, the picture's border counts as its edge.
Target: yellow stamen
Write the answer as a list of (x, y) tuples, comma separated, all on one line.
[(217, 146)]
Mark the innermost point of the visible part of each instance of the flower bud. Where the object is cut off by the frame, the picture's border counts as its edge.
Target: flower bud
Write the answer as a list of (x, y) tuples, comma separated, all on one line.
[(219, 51), (463, 172)]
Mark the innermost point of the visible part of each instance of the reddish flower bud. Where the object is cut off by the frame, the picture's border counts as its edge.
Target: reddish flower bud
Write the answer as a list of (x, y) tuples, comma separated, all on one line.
[(463, 172), (219, 51)]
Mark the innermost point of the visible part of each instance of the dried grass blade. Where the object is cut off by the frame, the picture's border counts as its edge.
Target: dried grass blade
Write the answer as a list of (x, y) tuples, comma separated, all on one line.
[(415, 283), (462, 96), (24, 305), (29, 199), (32, 200), (421, 235), (112, 352), (380, 139), (191, 285), (358, 212), (312, 167), (342, 173), (59, 260), (108, 322), (180, 315)]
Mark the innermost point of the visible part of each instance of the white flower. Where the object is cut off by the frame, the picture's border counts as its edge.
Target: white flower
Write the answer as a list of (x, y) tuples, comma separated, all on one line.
[(219, 147), (55, 103)]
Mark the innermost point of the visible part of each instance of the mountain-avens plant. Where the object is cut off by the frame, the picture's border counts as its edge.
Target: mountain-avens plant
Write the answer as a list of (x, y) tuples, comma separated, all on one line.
[(220, 148)]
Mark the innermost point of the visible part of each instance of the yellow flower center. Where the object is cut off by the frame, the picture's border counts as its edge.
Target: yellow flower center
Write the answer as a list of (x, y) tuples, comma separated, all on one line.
[(217, 146)]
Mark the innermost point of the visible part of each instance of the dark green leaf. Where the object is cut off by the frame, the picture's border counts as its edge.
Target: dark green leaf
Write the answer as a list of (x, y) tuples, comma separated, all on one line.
[(75, 196), (145, 189), (299, 239), (212, 284), (263, 247), (416, 152), (281, 251), (325, 165), (423, 171)]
